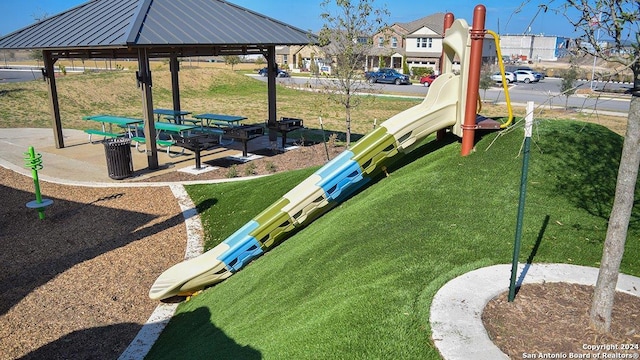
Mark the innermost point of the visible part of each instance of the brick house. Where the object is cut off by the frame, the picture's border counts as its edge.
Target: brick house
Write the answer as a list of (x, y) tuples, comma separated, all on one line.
[(420, 41)]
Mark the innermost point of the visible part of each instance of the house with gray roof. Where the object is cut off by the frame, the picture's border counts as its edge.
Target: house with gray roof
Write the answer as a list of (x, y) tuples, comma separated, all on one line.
[(419, 41)]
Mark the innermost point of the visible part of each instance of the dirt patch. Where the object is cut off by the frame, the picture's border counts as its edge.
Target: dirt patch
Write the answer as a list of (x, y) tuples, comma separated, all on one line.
[(553, 318)]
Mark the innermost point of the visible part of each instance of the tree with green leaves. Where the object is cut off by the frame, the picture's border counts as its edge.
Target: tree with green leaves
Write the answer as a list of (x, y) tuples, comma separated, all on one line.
[(405, 66), (232, 60), (313, 65), (485, 82), (567, 86), (346, 38), (259, 61), (616, 21)]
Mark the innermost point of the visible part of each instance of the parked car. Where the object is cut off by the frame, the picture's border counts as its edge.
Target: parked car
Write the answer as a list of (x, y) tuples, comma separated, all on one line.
[(526, 76), (265, 71), (386, 75), (511, 77), (539, 75), (427, 79)]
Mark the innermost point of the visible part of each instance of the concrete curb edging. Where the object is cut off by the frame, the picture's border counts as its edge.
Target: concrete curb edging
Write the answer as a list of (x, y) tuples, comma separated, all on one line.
[(456, 310), (146, 337)]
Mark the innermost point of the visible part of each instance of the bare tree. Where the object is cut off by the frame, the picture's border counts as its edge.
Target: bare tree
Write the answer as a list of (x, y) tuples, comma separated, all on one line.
[(37, 54), (346, 39), (616, 21)]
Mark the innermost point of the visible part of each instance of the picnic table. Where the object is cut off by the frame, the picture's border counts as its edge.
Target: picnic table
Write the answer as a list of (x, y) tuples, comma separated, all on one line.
[(176, 115), (129, 124), (217, 120), (172, 131)]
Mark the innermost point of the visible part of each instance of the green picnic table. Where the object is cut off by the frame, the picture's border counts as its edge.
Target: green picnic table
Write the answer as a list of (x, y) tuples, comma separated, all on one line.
[(129, 124)]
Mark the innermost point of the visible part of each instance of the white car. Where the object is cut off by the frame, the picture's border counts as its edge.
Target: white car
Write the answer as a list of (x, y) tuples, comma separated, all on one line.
[(525, 76), (497, 77)]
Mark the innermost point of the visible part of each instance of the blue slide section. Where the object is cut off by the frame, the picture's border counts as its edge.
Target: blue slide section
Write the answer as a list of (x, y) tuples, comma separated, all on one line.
[(340, 176), (242, 247)]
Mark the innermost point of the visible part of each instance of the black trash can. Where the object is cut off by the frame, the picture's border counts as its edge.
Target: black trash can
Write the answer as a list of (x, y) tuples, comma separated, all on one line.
[(118, 153)]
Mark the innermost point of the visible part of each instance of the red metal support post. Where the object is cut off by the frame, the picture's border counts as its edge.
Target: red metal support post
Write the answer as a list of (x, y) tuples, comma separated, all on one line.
[(477, 33)]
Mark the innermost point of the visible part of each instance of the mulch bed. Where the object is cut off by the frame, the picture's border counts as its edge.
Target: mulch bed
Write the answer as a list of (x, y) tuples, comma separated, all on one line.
[(75, 285), (553, 318)]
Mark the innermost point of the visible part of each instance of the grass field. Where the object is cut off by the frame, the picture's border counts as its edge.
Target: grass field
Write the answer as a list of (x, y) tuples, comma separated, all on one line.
[(358, 282), (209, 88), (202, 90)]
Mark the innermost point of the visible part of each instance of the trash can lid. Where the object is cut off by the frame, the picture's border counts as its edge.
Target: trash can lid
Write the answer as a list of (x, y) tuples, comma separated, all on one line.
[(117, 141)]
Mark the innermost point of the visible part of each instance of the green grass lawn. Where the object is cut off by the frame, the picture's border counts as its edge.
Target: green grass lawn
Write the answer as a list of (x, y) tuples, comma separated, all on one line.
[(358, 282), (202, 90)]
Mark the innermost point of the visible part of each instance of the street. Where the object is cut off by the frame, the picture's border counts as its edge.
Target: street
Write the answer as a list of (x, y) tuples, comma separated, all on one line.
[(545, 92), (19, 75)]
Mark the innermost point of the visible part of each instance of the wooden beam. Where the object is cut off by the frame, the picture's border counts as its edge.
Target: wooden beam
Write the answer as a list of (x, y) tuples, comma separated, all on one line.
[(144, 82), (50, 78)]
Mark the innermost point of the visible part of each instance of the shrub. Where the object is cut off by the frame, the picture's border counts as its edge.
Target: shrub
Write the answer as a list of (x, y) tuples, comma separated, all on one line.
[(270, 166), (232, 172), (419, 72), (250, 169)]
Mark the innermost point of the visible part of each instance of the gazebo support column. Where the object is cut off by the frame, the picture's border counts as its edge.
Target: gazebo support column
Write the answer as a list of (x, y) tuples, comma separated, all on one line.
[(271, 91), (50, 78), (144, 81), (174, 67)]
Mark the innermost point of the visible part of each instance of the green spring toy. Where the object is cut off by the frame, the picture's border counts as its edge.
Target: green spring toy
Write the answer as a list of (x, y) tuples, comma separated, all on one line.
[(33, 161)]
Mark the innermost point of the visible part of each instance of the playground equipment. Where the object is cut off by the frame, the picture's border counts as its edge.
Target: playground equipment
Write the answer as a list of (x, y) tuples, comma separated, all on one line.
[(443, 108), (33, 161)]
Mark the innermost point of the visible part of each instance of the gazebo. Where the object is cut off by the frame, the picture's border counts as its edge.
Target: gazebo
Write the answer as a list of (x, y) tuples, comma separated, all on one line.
[(144, 29)]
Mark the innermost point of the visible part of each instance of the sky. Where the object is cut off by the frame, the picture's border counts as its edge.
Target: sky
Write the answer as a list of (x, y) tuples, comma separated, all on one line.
[(504, 17)]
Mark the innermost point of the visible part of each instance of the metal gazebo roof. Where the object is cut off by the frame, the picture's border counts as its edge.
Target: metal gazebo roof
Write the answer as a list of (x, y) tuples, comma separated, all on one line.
[(146, 29), (115, 28)]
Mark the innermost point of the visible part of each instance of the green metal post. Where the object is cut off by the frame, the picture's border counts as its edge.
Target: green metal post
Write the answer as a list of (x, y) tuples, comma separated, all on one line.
[(523, 191), (33, 161)]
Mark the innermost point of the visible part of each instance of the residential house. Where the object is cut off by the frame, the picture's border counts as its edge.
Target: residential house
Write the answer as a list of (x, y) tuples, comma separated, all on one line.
[(299, 58), (419, 41)]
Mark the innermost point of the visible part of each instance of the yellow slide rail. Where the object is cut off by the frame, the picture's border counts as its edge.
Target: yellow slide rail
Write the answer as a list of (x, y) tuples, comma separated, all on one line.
[(505, 84)]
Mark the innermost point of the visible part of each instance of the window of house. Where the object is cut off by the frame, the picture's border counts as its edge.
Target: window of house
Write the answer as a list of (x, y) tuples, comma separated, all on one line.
[(380, 41), (425, 42), (285, 59), (394, 42)]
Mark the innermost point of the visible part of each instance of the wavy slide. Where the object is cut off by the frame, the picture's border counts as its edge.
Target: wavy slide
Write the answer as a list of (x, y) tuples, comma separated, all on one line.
[(319, 193)]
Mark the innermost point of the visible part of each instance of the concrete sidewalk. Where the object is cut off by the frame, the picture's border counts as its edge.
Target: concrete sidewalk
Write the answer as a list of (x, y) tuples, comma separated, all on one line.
[(456, 310), (81, 162)]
